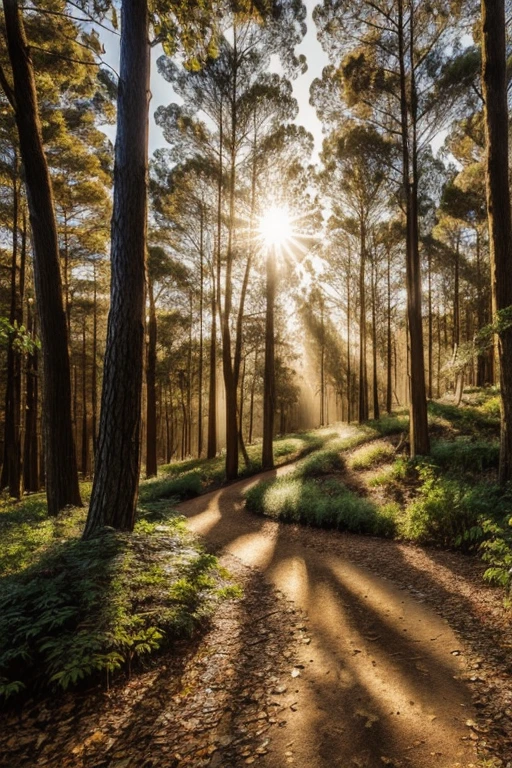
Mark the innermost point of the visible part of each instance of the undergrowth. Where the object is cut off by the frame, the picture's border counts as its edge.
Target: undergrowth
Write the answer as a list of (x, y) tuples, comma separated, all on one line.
[(324, 504), (73, 610)]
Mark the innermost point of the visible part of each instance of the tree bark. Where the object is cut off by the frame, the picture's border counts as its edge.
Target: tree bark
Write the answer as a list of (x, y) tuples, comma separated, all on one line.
[(60, 456), (114, 493), (494, 82), (418, 429)]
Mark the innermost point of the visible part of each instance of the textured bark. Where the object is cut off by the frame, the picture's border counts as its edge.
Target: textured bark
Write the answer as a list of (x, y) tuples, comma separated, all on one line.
[(269, 384), (494, 82), (418, 430), (114, 493), (60, 456)]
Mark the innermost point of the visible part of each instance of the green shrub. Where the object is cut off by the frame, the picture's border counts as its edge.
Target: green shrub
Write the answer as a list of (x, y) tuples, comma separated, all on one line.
[(466, 455), (324, 462), (450, 513), (90, 607), (370, 456), (327, 504), (391, 424), (471, 421), (184, 486)]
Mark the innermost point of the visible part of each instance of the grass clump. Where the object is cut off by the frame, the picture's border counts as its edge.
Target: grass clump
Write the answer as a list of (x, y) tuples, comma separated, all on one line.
[(182, 487), (327, 504), (464, 419), (372, 455), (324, 462), (390, 424)]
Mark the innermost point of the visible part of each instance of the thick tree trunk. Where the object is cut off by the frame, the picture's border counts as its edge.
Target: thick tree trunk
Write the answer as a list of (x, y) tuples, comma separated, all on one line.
[(114, 493), (494, 82), (418, 430), (269, 384), (60, 456), (151, 461)]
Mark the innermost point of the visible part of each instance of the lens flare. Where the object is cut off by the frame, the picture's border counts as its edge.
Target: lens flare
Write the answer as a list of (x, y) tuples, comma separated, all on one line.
[(275, 226)]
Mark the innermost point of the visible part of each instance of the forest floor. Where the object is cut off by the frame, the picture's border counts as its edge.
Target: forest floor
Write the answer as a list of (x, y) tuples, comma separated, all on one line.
[(344, 650)]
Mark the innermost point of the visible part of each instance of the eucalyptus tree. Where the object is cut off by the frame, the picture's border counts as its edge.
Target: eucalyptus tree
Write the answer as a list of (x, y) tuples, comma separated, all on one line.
[(494, 84), (230, 106), (19, 83), (114, 493), (183, 200), (355, 161), (388, 57)]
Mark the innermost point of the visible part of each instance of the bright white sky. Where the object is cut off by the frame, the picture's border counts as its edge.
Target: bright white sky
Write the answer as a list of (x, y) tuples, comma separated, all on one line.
[(163, 94)]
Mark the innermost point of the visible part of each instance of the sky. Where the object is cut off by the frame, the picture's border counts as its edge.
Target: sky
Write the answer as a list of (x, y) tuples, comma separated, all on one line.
[(162, 93)]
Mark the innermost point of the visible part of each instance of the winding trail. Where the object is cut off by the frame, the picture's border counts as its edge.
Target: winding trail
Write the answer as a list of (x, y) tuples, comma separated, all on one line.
[(379, 678)]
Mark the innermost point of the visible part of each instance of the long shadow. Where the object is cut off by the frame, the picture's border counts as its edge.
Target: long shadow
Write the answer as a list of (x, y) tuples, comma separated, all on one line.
[(226, 530)]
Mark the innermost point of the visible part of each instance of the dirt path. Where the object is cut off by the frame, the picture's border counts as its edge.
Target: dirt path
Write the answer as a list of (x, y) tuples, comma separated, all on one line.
[(379, 681)]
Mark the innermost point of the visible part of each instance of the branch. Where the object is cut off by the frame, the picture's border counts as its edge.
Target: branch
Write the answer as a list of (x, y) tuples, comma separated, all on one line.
[(9, 93)]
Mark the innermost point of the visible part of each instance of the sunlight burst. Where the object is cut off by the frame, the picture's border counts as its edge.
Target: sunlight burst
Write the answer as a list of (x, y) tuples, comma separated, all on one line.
[(276, 227)]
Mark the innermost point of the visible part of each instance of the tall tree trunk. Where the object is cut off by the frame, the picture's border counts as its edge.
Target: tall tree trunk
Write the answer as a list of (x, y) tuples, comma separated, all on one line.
[(200, 366), (269, 383), (30, 446), (322, 363), (419, 436), (251, 405), (430, 327), (494, 81), (85, 433), (114, 493), (211, 450), (11, 468), (376, 409), (389, 355), (94, 368), (363, 373), (151, 459), (60, 456), (349, 320)]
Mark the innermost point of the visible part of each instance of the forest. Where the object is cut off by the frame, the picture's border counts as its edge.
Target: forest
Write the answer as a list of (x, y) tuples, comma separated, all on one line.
[(255, 383)]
